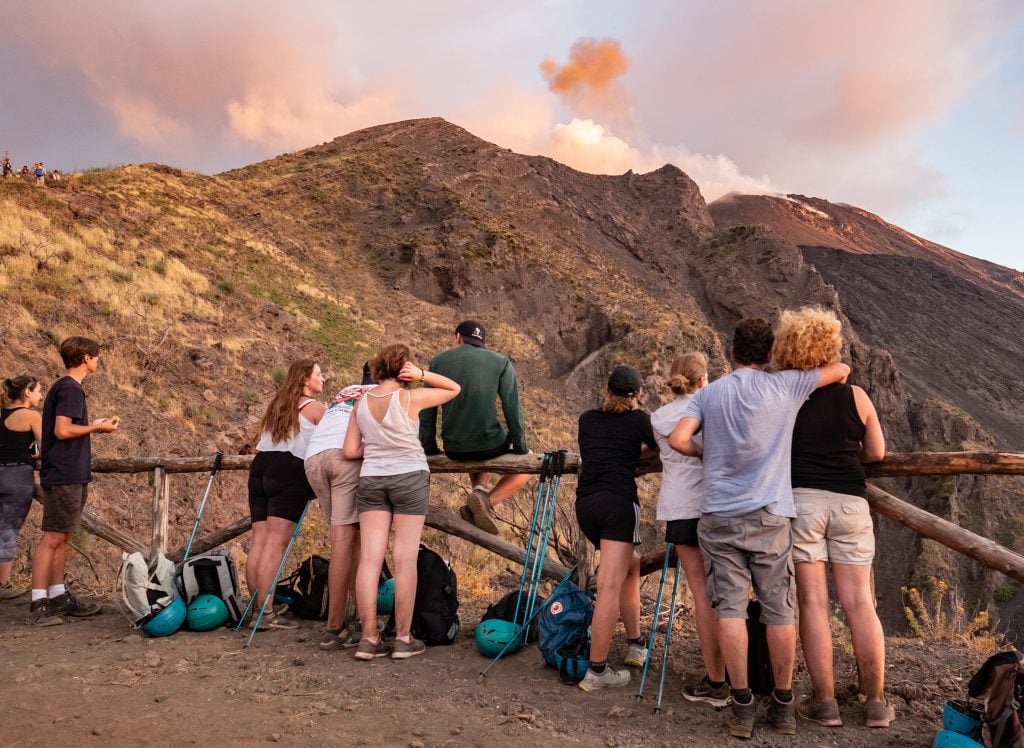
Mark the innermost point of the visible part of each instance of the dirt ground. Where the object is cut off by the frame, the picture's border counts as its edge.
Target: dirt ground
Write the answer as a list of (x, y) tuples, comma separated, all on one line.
[(96, 682)]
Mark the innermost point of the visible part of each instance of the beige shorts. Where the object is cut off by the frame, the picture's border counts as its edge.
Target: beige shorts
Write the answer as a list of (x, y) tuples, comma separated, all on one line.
[(832, 527), (752, 551), (335, 480)]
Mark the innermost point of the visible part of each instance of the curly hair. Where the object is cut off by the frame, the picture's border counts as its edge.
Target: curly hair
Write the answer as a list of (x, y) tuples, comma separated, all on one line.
[(807, 339), (752, 342), (389, 361), (282, 416), (686, 371)]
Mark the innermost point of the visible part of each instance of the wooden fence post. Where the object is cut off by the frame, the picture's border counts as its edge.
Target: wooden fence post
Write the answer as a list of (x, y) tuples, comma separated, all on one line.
[(161, 510)]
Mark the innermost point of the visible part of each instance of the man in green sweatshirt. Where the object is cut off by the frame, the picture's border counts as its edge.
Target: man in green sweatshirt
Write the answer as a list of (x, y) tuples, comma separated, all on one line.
[(470, 428)]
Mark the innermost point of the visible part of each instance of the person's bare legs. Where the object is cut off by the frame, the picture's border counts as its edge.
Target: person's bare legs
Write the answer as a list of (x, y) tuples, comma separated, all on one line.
[(5, 571), (815, 633), (344, 551), (733, 641), (853, 584), (616, 558), (706, 618), (374, 528), (629, 598), (279, 532), (404, 554), (48, 560), (252, 560), (782, 653)]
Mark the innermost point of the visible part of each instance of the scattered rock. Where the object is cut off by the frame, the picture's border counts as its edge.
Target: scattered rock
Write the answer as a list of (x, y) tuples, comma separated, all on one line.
[(274, 737), (208, 396)]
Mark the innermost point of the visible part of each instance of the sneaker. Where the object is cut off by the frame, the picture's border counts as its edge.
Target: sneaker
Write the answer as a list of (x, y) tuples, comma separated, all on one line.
[(41, 614), (67, 604), (275, 621), (368, 650), (479, 503), (344, 638), (825, 713), (610, 678), (9, 591), (878, 713), (782, 715), (466, 514), (703, 691), (405, 650), (741, 721), (636, 655)]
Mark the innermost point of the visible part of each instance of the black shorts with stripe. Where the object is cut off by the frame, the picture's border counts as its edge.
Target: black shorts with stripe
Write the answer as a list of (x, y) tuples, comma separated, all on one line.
[(608, 516)]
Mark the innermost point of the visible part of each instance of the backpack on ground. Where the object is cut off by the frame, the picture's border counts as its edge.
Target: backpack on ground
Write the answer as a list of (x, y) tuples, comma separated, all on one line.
[(435, 617), (213, 573), (759, 663), (139, 588), (305, 589), (563, 629), (505, 610), (999, 683)]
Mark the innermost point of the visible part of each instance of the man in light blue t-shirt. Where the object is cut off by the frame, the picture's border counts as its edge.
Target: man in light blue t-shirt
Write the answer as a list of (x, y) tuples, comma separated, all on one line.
[(746, 420)]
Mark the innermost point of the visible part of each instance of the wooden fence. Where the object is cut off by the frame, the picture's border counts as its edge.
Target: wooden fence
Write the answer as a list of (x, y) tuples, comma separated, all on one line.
[(947, 533)]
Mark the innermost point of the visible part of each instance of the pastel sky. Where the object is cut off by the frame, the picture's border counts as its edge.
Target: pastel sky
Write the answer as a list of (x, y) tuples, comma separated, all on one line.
[(912, 109)]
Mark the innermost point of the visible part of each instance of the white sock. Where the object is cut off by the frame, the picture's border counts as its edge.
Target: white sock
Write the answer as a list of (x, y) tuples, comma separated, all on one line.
[(479, 488), (54, 590), (38, 595)]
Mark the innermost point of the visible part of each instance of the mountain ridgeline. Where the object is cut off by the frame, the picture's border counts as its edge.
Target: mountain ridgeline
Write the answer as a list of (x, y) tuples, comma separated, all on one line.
[(205, 286)]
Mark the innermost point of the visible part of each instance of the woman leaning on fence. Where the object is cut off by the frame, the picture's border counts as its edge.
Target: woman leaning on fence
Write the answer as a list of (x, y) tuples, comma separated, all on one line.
[(278, 489), (836, 430), (20, 435), (612, 441), (394, 489)]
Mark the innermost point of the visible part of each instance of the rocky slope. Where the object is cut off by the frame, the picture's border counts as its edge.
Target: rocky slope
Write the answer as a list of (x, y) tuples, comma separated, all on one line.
[(206, 287)]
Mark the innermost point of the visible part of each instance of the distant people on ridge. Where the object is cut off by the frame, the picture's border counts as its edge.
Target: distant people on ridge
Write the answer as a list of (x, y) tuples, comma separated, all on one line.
[(679, 502), (278, 488), (470, 429), (65, 474), (746, 419), (21, 432), (335, 480), (394, 490), (40, 173), (8, 170), (613, 440), (836, 430)]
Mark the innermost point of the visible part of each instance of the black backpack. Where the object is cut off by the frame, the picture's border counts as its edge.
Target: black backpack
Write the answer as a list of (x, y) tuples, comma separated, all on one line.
[(305, 590), (505, 610), (435, 619), (759, 664)]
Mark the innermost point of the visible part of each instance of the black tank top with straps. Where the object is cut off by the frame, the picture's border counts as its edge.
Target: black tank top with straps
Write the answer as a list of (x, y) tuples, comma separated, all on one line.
[(827, 442), (14, 445)]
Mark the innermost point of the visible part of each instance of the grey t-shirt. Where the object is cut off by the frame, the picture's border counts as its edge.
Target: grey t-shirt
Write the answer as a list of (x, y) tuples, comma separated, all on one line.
[(747, 423)]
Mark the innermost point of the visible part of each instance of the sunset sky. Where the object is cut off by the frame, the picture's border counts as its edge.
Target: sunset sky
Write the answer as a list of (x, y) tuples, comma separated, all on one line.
[(911, 109)]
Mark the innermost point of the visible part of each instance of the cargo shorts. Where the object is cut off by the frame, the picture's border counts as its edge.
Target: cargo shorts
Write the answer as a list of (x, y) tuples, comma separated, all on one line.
[(754, 550), (334, 481), (832, 527)]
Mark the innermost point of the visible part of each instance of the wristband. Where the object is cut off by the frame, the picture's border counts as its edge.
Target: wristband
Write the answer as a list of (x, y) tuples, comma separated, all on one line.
[(423, 374)]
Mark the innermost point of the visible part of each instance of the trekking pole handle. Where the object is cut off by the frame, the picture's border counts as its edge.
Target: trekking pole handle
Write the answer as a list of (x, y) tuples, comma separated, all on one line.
[(216, 461), (559, 462), (545, 467)]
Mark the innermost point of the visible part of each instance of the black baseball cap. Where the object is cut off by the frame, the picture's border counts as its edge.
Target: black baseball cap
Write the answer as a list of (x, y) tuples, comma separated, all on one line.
[(625, 381), (472, 332)]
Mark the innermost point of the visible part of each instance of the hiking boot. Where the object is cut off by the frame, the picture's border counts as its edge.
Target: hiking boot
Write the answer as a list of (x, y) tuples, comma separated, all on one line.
[(703, 691), (741, 721), (782, 715), (41, 614), (610, 678), (368, 650), (67, 604), (405, 650), (9, 591), (878, 713), (636, 655), (825, 713), (479, 503)]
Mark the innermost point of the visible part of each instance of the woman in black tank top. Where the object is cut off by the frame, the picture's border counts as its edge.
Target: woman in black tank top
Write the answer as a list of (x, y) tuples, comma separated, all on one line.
[(20, 431), (836, 431)]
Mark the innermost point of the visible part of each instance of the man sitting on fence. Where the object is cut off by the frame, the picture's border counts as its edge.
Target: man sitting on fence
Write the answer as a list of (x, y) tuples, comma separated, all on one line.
[(746, 419), (469, 424)]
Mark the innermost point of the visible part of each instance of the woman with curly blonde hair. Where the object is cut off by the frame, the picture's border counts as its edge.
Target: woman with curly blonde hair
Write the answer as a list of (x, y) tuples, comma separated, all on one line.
[(836, 431)]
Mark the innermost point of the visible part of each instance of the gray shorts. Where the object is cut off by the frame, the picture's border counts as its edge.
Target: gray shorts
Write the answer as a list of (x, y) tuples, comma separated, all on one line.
[(405, 493), (832, 527), (335, 480), (63, 506), (755, 550)]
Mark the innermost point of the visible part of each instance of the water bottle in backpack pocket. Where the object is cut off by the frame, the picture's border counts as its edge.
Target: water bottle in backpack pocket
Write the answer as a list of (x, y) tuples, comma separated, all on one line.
[(563, 629)]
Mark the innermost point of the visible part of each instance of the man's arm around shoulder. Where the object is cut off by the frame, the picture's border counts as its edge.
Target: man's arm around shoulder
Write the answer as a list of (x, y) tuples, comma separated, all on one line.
[(832, 373)]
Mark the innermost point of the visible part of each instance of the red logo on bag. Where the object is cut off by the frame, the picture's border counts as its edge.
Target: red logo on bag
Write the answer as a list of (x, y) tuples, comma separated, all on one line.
[(557, 607)]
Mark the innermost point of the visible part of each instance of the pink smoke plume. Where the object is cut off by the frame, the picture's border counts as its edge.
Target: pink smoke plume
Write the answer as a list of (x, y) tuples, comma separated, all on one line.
[(587, 82)]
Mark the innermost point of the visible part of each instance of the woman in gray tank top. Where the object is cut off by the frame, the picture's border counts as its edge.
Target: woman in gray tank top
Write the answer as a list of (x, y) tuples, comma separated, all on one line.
[(394, 488)]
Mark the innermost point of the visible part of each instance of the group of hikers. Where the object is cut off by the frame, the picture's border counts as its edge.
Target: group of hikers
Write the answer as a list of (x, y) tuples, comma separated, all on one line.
[(38, 171), (762, 492)]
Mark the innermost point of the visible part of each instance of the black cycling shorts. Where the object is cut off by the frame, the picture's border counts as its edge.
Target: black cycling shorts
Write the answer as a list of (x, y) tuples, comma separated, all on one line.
[(277, 486), (608, 516), (682, 532)]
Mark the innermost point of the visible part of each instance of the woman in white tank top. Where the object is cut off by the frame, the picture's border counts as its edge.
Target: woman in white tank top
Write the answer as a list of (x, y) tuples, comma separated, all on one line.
[(394, 487), (278, 489)]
